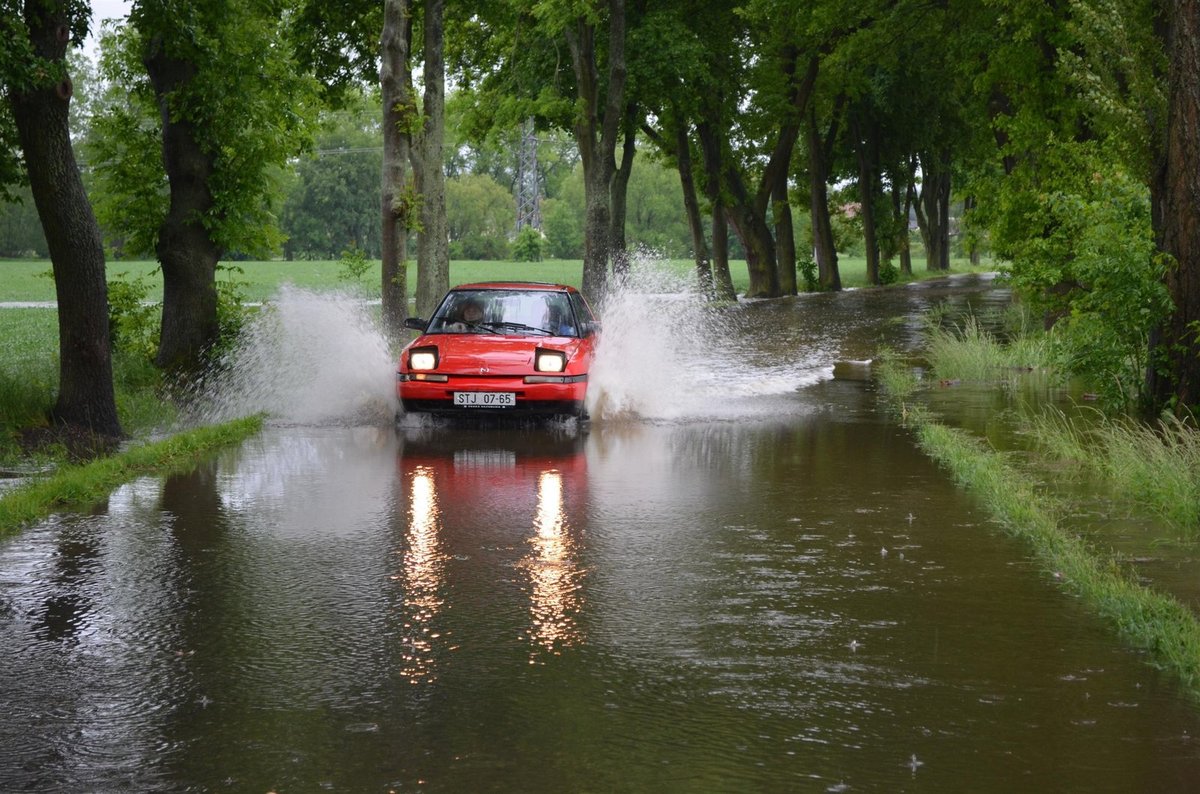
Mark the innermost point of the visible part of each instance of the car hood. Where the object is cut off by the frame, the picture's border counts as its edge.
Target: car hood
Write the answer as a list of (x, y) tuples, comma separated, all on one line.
[(501, 355)]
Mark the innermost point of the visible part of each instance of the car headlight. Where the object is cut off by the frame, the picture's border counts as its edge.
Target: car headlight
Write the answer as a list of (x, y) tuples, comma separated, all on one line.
[(549, 361), (423, 358)]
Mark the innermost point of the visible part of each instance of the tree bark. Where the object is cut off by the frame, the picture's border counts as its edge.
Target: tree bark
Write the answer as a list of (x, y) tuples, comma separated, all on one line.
[(933, 212), (596, 129), (863, 151), (680, 148), (619, 193), (710, 149), (185, 249), (752, 229), (691, 206), (433, 255), (1173, 378), (399, 117), (973, 255), (785, 239), (85, 394), (901, 204), (824, 247)]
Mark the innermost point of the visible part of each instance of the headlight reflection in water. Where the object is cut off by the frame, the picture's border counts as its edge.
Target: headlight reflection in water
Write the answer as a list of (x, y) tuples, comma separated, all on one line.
[(422, 573), (553, 570)]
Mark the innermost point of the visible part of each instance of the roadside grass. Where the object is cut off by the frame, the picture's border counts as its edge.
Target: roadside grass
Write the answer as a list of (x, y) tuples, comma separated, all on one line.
[(1147, 619), (79, 486), (28, 373), (986, 350), (29, 382), (1154, 465)]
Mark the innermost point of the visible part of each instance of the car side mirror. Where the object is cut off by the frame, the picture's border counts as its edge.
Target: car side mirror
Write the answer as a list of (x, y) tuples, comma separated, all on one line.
[(591, 327), (416, 323)]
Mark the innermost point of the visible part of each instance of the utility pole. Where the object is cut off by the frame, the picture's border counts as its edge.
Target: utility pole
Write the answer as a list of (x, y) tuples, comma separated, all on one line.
[(528, 205)]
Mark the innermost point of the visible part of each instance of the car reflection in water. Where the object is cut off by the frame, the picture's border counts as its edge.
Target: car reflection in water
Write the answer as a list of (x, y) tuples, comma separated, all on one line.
[(482, 503)]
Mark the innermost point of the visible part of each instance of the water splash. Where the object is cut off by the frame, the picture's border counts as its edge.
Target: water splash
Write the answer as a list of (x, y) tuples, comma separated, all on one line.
[(307, 358), (667, 354)]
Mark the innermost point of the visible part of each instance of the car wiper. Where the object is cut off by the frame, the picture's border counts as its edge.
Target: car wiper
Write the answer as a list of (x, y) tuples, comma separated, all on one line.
[(523, 327)]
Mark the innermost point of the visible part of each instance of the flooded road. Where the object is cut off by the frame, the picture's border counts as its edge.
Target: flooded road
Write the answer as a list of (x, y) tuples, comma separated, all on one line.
[(740, 578)]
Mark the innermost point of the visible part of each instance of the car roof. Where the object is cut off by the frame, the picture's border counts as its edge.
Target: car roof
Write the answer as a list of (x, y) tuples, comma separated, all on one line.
[(533, 286)]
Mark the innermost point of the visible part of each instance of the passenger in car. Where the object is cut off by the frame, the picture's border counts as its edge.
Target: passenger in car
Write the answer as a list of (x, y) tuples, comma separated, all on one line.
[(558, 322)]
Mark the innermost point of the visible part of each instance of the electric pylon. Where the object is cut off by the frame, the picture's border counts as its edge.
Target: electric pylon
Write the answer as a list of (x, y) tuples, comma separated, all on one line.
[(528, 205)]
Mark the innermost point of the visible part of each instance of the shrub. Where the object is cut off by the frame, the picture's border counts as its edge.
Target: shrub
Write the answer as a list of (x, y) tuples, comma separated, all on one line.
[(528, 245), (133, 326)]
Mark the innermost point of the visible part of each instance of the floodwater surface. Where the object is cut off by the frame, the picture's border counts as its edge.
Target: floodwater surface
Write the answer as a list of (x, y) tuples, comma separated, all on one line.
[(741, 577)]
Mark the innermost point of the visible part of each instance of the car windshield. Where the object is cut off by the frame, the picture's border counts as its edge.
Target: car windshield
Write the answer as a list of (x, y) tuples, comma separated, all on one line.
[(501, 311)]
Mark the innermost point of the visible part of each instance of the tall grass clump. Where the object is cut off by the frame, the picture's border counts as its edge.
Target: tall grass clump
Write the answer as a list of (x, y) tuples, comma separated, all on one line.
[(1156, 465), (968, 351), (896, 376)]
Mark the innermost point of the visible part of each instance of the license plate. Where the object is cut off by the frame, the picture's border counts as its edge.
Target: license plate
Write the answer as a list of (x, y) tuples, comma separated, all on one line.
[(485, 399)]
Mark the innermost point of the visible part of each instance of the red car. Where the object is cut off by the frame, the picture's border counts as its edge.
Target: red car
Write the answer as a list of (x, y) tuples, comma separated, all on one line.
[(505, 347)]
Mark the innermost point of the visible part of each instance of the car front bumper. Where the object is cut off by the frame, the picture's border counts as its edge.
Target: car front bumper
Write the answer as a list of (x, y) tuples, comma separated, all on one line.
[(531, 398)]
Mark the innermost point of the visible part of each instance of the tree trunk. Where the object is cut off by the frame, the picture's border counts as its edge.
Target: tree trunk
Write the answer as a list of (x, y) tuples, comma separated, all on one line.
[(596, 130), (973, 255), (186, 251), (433, 255), (824, 248), (691, 206), (902, 208), (619, 194), (933, 212), (866, 198), (85, 392), (710, 149), (1173, 379), (752, 229), (785, 238), (399, 117)]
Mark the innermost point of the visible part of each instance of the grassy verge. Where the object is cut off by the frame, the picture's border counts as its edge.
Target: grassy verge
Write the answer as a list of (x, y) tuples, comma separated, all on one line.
[(1156, 466), (1147, 619), (29, 381), (76, 487), (1158, 623)]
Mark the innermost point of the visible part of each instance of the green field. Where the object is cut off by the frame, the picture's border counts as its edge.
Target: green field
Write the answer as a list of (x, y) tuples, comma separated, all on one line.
[(29, 280)]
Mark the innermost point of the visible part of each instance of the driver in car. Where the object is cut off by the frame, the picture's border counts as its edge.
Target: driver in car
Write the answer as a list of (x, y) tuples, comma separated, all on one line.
[(470, 314)]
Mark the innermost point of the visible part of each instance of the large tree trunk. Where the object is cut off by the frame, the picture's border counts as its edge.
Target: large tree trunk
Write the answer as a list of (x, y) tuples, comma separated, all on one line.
[(933, 212), (433, 255), (824, 247), (596, 130), (691, 206), (1173, 379), (901, 208), (710, 149), (785, 238), (399, 116), (619, 194), (85, 393), (186, 251), (752, 229), (864, 154)]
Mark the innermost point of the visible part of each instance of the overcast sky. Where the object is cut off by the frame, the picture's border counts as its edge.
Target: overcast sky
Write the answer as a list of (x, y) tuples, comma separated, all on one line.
[(102, 10)]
